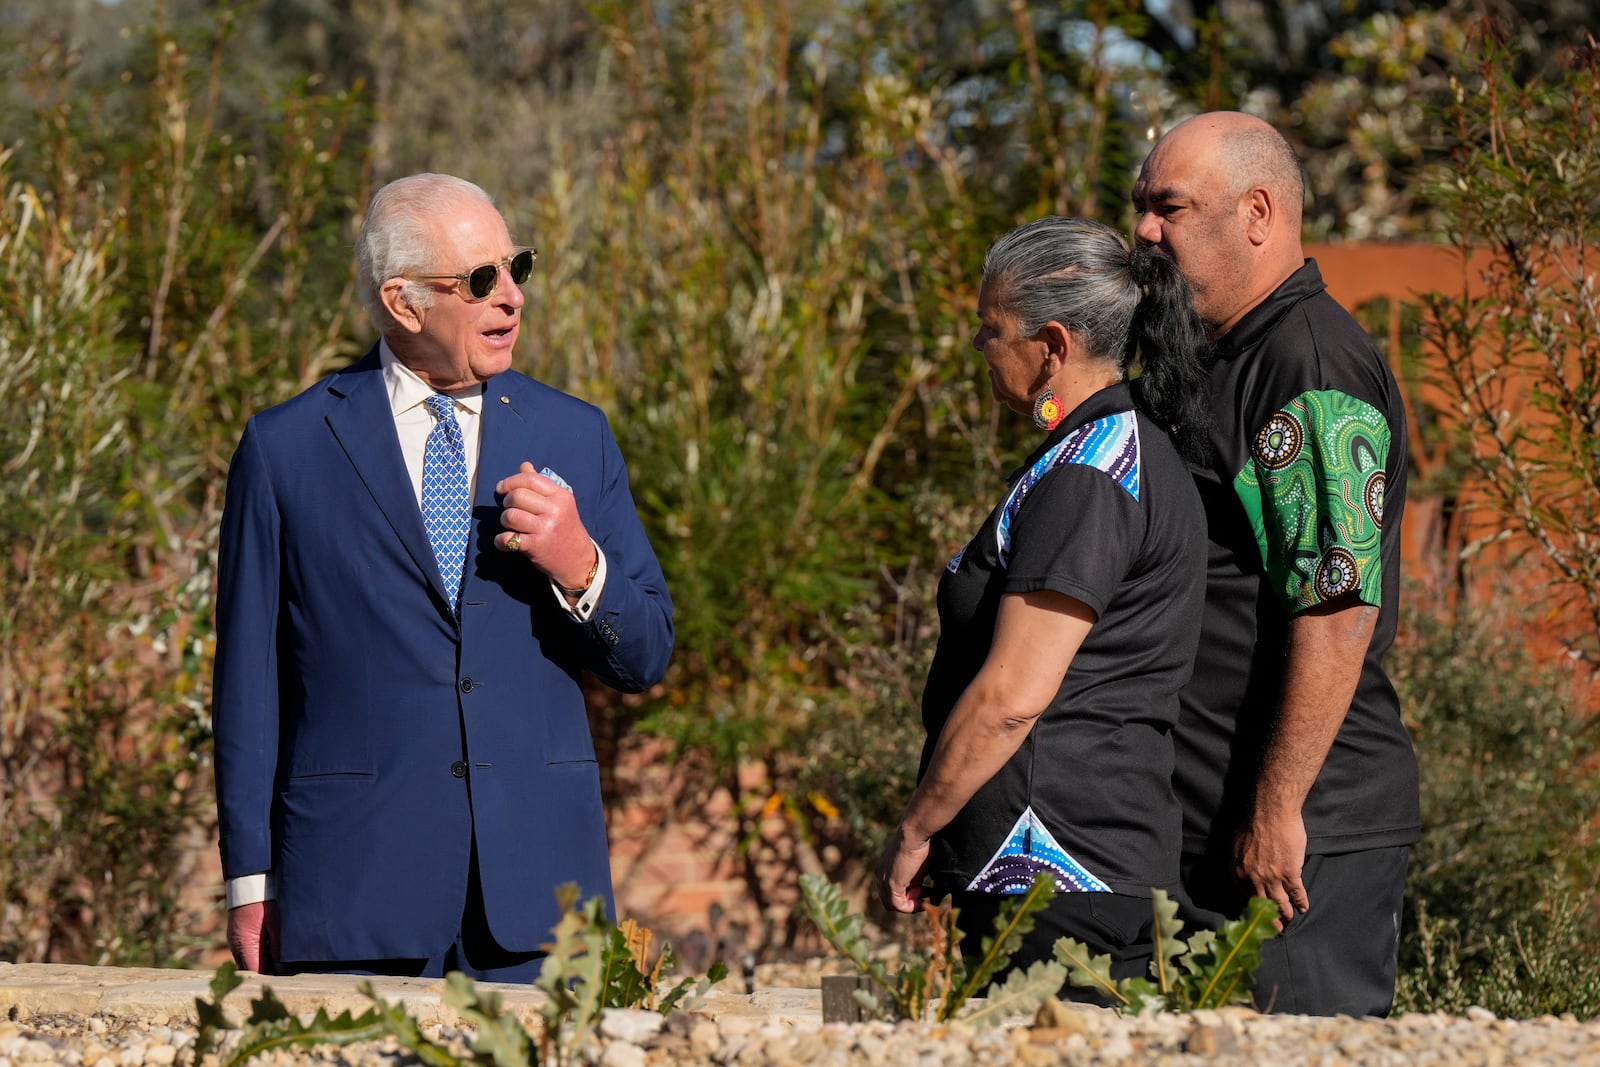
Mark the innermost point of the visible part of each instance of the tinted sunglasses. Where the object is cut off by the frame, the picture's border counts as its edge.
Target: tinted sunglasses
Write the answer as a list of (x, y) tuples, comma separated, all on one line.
[(481, 281)]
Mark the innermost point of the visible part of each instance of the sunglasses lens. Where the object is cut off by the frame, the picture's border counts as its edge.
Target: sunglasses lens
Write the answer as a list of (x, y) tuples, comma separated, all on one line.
[(522, 265), (481, 282)]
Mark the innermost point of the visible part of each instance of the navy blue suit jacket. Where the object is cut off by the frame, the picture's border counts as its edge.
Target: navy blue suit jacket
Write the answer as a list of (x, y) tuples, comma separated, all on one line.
[(364, 735)]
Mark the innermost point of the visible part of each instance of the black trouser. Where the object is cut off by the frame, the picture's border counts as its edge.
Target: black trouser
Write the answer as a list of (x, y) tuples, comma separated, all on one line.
[(1339, 957), (1110, 924)]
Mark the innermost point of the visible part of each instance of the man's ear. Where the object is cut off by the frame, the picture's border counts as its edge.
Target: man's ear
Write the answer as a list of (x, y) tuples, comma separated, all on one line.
[(405, 314), (1260, 213)]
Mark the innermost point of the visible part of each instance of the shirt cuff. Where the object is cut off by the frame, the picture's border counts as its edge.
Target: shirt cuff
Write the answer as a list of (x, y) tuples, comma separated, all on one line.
[(251, 889), (583, 610)]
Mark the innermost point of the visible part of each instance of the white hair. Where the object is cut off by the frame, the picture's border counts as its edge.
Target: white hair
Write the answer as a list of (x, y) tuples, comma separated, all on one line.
[(395, 238)]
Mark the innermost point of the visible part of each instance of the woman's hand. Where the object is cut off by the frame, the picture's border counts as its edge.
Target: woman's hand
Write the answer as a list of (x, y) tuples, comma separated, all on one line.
[(900, 870), (1036, 636)]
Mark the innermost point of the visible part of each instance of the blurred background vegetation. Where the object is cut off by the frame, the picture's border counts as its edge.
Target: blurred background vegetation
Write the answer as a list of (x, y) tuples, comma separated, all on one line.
[(760, 227)]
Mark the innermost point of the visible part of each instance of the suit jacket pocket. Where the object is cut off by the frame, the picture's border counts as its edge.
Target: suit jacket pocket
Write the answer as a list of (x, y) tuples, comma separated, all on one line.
[(567, 737), (308, 800)]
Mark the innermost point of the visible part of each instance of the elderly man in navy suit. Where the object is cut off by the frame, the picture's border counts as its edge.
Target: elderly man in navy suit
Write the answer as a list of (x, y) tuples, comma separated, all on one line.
[(420, 556)]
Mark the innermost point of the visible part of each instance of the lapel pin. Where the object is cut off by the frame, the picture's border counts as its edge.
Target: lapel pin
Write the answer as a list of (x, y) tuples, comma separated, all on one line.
[(505, 400)]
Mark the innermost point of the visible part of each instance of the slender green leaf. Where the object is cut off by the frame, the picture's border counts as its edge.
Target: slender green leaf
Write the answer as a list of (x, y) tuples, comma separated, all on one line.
[(912, 999), (501, 1037), (1087, 971), (405, 1030), (831, 915), (1145, 997), (1200, 943), (1235, 954), (1164, 933), (1014, 921), (343, 1029), (869, 1003), (209, 1012), (267, 1008), (624, 983), (588, 971), (212, 1019), (1020, 994), (690, 993)]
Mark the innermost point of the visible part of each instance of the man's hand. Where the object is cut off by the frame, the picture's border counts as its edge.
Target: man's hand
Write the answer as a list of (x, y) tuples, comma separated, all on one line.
[(541, 522), (1327, 645), (900, 870), (253, 935), (1270, 855)]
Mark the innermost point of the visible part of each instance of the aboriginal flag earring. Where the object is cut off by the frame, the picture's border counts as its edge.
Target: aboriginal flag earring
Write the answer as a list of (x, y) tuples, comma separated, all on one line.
[(1047, 411)]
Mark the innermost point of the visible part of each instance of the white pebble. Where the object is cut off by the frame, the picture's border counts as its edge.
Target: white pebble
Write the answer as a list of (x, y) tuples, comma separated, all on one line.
[(633, 1025), (621, 1055)]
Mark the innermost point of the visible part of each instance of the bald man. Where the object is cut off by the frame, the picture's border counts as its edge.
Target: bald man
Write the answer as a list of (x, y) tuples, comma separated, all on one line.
[(1295, 772)]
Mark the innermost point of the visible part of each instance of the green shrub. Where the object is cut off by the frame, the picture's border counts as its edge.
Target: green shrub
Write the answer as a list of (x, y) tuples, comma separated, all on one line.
[(100, 781), (160, 279), (1501, 891), (1209, 969)]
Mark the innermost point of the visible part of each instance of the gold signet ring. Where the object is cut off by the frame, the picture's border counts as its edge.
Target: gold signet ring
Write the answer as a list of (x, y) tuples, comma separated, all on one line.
[(514, 543)]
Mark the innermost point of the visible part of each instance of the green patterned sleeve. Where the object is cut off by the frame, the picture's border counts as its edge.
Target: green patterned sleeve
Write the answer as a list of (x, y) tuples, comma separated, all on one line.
[(1313, 489)]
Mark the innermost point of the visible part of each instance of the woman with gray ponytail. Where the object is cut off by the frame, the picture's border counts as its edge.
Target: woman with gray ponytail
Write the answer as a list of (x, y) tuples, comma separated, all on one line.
[(1069, 622)]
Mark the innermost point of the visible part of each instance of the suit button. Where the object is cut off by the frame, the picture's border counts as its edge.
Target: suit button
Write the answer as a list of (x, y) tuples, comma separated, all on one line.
[(468, 685), (458, 769)]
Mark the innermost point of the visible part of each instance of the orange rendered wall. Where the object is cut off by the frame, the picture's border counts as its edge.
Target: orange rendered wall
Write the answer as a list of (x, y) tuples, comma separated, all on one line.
[(1439, 526)]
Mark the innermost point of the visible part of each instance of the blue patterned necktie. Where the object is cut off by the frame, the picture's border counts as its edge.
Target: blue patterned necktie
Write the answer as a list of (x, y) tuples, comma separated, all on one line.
[(446, 506)]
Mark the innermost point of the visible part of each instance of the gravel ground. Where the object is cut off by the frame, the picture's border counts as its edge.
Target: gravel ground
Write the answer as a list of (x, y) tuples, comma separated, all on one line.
[(1066, 1035)]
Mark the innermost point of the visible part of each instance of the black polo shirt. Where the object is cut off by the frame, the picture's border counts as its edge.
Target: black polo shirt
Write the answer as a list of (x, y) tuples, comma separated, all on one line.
[(1303, 504), (1105, 512)]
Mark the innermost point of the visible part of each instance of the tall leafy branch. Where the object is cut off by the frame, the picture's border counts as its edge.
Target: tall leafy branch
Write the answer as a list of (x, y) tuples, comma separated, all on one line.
[(1517, 342)]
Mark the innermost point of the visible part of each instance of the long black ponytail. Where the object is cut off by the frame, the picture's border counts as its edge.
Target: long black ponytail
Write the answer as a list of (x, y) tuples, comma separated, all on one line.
[(1173, 353)]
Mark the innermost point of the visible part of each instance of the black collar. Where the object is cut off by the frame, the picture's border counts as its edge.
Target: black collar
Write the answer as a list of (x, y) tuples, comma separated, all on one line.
[(1262, 319)]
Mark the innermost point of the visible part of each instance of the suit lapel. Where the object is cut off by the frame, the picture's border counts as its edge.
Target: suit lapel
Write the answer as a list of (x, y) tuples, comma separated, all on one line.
[(363, 422), (504, 441)]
